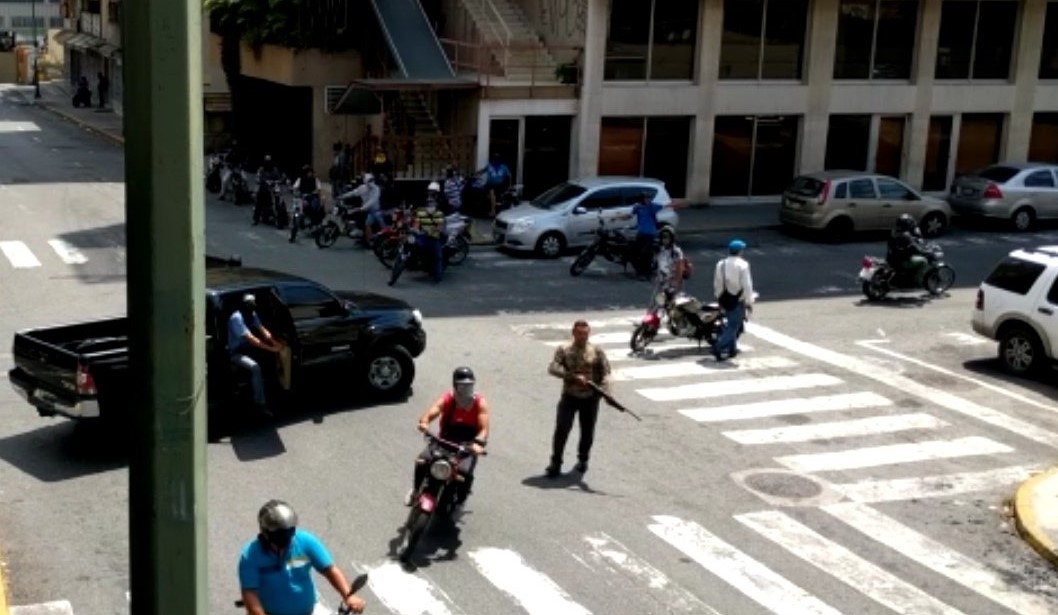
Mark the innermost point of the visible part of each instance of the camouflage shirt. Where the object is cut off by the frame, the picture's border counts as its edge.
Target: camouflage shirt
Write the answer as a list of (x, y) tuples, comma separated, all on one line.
[(570, 361)]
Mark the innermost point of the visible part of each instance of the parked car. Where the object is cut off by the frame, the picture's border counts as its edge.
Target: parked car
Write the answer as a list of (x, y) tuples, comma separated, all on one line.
[(365, 342), (567, 215), (841, 202), (1017, 305), (1020, 192)]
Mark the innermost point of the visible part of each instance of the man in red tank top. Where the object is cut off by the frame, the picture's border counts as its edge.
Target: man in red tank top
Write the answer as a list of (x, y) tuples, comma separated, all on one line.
[(464, 418)]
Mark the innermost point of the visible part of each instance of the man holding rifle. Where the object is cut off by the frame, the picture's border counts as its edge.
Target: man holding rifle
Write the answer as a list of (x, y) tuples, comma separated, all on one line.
[(582, 366)]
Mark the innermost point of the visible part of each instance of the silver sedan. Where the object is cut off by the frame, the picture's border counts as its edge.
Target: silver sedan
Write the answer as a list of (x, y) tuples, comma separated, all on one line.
[(1019, 192)]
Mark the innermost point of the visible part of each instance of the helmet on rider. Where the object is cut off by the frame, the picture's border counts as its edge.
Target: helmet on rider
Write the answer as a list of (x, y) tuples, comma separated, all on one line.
[(667, 237), (433, 187), (369, 178), (463, 383), (277, 521), (905, 223)]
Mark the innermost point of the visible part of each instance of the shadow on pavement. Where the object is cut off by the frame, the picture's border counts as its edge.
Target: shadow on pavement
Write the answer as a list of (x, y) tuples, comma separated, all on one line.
[(1043, 383), (64, 450)]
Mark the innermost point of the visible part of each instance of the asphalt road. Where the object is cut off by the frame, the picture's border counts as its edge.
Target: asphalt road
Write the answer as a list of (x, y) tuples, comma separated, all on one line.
[(884, 491)]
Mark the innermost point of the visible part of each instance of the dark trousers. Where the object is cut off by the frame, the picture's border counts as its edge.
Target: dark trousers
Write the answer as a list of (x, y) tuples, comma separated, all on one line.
[(643, 253), (568, 407)]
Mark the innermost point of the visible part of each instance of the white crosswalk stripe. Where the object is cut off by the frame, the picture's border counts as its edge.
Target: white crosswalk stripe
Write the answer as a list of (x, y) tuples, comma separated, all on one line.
[(837, 429), (534, 591), (69, 254), (892, 454), (785, 407), (58, 607), (19, 254), (915, 488), (725, 388), (675, 370), (408, 594)]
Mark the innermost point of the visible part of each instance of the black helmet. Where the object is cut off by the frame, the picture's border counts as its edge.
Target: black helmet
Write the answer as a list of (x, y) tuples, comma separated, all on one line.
[(905, 222), (463, 374), (276, 516)]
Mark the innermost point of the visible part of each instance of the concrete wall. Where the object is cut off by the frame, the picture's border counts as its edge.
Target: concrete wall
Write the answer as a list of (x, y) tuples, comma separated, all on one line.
[(8, 67)]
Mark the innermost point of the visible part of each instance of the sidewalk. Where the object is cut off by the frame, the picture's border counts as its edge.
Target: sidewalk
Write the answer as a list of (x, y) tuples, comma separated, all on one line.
[(56, 96), (1036, 513)]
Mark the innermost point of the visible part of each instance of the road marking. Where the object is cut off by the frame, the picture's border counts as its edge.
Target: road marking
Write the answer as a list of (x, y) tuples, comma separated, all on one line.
[(737, 569), (738, 387), (19, 254), (514, 263), (405, 593), (603, 339), (844, 565), (934, 396), (943, 560), (981, 241), (893, 454), (784, 407), (615, 557), (965, 339), (534, 591), (58, 607), (837, 429), (615, 321), (675, 370), (901, 489), (872, 344), (69, 254)]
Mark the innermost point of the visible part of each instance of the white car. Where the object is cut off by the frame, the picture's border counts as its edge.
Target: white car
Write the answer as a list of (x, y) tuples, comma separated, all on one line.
[(1017, 305), (568, 214)]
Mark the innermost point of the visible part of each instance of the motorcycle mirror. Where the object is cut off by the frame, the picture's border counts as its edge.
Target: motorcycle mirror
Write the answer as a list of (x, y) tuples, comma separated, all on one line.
[(579, 211)]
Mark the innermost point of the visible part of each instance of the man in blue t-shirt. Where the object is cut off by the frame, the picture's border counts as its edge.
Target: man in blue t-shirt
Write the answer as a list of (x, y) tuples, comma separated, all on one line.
[(246, 334), (646, 215), (498, 178), (275, 569)]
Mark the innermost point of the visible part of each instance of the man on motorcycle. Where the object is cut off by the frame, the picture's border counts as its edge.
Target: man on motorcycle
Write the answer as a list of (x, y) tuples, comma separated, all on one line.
[(430, 222), (905, 249), (371, 204), (275, 569), (268, 172), (308, 188), (464, 418)]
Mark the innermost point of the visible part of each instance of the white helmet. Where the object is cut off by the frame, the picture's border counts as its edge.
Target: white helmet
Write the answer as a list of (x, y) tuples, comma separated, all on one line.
[(369, 178), (433, 187)]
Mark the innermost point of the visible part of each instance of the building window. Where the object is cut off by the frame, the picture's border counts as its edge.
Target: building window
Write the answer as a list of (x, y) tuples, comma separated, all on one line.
[(753, 155), (848, 142), (980, 137), (1049, 57), (889, 155), (26, 21), (652, 39), (976, 39), (1043, 146), (938, 153), (876, 39), (657, 147), (763, 39), (55, 22)]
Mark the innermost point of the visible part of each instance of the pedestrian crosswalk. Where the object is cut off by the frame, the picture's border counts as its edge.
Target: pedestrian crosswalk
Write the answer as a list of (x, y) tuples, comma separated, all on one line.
[(21, 256)]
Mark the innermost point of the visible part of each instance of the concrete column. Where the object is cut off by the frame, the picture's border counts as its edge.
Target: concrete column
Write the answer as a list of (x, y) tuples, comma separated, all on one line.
[(821, 41), (925, 65), (710, 32), (1029, 42), (589, 115)]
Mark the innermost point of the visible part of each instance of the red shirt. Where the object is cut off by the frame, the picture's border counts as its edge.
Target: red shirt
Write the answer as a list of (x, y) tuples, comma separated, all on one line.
[(459, 424)]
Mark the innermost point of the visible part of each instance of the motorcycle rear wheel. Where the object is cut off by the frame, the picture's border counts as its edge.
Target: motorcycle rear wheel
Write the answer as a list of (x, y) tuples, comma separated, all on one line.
[(939, 280), (641, 337), (398, 268), (327, 235), (386, 251), (459, 251), (875, 290), (583, 261)]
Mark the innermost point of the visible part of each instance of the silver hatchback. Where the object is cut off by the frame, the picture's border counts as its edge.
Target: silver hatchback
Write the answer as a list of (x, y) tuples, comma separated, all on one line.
[(1019, 192), (568, 214)]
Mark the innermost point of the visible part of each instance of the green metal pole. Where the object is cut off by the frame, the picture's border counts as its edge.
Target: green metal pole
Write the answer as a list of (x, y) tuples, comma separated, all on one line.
[(166, 300)]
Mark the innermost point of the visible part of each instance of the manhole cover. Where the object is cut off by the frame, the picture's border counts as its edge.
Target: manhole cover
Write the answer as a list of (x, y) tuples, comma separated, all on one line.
[(784, 485)]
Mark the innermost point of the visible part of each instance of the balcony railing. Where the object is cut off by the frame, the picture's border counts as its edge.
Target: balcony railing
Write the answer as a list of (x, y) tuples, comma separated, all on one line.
[(522, 64), (418, 157)]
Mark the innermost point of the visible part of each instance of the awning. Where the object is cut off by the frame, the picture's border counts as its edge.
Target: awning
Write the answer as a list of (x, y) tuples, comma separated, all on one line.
[(107, 50), (80, 41), (88, 42), (64, 35)]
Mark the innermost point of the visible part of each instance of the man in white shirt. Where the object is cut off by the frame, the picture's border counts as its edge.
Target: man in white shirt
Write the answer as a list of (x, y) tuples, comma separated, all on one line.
[(733, 288)]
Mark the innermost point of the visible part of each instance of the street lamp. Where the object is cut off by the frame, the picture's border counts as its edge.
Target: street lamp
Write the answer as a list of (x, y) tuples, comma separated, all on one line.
[(36, 50)]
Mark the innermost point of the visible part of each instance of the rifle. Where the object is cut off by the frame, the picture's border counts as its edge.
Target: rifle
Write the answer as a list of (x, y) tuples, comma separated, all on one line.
[(611, 401)]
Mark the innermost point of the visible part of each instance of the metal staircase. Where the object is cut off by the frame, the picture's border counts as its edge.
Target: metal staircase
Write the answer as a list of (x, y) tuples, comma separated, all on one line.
[(519, 51)]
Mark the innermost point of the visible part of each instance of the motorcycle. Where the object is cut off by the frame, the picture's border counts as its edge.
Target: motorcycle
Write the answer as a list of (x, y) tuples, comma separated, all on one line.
[(300, 220), (269, 206), (457, 228), (611, 244), (410, 256), (240, 190), (683, 315), (439, 493), (343, 220), (878, 278)]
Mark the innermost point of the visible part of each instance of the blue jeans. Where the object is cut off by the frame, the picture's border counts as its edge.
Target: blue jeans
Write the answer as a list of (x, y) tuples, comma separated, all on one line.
[(256, 380), (431, 253), (727, 342)]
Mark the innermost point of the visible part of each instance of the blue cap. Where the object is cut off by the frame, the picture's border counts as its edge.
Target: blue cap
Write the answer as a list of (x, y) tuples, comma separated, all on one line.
[(736, 245)]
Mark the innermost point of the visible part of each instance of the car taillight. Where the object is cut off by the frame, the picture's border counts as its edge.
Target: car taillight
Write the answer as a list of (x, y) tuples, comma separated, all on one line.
[(980, 303), (824, 193), (992, 192), (866, 263), (86, 385)]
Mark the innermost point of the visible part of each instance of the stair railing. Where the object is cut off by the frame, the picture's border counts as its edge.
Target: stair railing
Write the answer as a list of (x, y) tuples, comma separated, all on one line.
[(489, 7)]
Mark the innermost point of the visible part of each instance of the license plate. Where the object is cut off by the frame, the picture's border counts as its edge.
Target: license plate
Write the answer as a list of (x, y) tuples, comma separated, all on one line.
[(42, 395), (866, 274)]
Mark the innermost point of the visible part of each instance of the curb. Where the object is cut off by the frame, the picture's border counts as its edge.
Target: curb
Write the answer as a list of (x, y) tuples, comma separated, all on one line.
[(3, 589), (115, 139), (1025, 517)]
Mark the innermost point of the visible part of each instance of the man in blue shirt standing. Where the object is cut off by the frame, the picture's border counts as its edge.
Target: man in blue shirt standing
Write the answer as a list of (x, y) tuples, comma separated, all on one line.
[(646, 214), (245, 334), (498, 178), (275, 569)]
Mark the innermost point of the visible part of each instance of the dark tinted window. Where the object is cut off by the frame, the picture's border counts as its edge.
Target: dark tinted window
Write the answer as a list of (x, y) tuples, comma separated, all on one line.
[(892, 190), (558, 195), (806, 186), (861, 189), (604, 199), (1040, 179), (1015, 275), (307, 301), (632, 193), (998, 174), (842, 191), (1052, 295)]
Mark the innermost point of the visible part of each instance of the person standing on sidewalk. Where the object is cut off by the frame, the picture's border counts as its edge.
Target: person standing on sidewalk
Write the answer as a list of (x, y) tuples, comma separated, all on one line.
[(577, 363), (103, 85), (733, 288)]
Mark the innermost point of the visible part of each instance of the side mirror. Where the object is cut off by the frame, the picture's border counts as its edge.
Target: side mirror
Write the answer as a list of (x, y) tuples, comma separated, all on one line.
[(579, 210)]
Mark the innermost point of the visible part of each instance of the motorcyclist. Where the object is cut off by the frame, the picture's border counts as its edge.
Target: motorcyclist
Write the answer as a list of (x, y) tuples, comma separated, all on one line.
[(464, 418), (371, 204), (308, 188), (268, 172), (906, 249), (430, 222)]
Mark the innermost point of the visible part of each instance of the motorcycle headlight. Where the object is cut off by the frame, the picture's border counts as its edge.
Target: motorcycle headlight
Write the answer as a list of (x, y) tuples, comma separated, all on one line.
[(440, 469), (522, 225), (409, 239), (659, 299)]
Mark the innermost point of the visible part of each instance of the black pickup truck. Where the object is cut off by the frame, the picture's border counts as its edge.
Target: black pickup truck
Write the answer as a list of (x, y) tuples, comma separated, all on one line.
[(360, 341)]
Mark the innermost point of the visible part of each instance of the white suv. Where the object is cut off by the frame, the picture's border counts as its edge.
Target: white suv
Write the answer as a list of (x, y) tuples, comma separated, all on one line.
[(1017, 305)]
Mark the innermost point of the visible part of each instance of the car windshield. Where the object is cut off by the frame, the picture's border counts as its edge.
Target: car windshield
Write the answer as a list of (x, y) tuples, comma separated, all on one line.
[(998, 174), (558, 195), (806, 186)]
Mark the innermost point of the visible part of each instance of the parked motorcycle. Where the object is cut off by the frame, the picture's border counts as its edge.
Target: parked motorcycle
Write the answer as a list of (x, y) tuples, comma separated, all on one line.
[(301, 220), (240, 189), (410, 256), (683, 315), (269, 206), (342, 221), (457, 228), (611, 244), (879, 278), (439, 493)]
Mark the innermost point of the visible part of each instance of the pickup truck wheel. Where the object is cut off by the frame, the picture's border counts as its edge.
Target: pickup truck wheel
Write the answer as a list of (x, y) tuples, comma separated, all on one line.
[(389, 371)]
